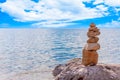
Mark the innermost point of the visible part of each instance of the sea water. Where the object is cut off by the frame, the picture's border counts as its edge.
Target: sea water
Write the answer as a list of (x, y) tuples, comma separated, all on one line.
[(31, 54)]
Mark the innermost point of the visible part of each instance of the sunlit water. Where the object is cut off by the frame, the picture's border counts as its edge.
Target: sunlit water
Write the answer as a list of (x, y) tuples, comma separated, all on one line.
[(31, 54)]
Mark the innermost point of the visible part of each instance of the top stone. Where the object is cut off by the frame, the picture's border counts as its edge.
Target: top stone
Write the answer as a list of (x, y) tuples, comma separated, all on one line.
[(93, 31), (92, 25)]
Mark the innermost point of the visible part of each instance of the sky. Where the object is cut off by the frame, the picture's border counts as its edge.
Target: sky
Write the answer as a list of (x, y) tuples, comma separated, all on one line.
[(59, 13)]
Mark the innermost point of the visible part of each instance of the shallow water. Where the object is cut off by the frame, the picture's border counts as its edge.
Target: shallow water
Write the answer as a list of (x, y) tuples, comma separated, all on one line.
[(28, 53)]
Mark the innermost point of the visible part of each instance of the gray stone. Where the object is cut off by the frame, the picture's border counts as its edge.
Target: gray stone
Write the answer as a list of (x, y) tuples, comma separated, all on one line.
[(76, 71)]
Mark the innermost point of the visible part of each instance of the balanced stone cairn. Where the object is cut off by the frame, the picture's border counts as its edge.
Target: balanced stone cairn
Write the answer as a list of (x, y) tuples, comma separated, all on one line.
[(89, 54)]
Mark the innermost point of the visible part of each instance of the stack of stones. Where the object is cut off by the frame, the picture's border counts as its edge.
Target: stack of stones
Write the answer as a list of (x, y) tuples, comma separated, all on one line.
[(89, 55)]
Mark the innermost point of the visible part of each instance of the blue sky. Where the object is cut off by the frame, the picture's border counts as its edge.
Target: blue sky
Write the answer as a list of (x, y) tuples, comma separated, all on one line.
[(59, 13)]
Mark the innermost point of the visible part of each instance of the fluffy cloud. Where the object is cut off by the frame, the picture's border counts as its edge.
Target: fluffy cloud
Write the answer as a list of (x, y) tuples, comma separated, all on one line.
[(52, 11), (114, 3), (48, 10), (102, 9), (53, 24), (119, 19), (98, 1), (110, 24)]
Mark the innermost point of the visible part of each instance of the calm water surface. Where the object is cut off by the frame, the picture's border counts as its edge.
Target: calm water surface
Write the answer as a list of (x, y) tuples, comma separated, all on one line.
[(28, 49)]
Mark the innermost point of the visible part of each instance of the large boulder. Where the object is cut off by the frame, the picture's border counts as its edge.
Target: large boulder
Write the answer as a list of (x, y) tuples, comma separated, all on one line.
[(74, 70), (89, 57)]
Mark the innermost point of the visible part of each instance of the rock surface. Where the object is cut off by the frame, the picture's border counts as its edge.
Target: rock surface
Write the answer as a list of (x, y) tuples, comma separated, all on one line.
[(92, 46), (74, 70), (93, 40), (89, 57)]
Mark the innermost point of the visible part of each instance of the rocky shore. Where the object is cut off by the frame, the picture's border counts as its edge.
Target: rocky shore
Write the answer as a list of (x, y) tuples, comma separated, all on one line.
[(75, 70)]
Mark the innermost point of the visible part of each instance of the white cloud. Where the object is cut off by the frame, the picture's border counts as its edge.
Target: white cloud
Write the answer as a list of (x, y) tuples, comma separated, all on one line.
[(112, 2), (52, 10), (119, 19), (53, 24), (102, 9), (27, 10), (98, 1), (114, 24)]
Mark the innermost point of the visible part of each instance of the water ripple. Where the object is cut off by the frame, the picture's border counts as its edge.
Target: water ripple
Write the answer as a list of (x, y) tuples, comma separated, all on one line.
[(27, 49)]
